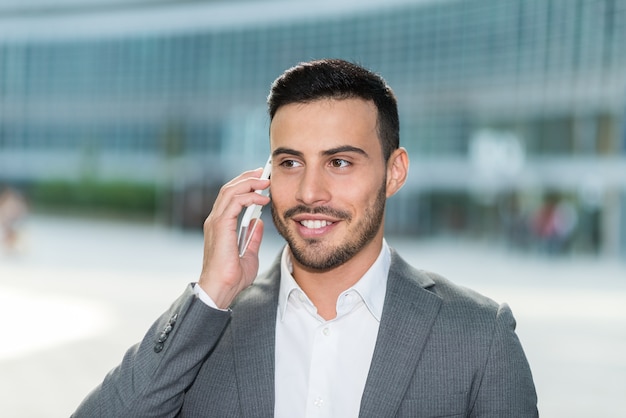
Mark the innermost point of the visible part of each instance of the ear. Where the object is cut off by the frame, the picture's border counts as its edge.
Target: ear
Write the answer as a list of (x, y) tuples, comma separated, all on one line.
[(397, 171)]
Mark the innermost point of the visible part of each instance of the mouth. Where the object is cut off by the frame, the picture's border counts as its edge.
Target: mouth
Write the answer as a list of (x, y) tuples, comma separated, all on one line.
[(315, 223), (310, 227)]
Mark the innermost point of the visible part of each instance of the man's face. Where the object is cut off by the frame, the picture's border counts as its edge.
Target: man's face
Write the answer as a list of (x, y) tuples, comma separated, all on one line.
[(328, 180)]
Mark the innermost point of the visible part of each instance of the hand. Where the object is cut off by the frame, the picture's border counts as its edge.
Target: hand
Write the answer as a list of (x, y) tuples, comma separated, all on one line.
[(225, 274)]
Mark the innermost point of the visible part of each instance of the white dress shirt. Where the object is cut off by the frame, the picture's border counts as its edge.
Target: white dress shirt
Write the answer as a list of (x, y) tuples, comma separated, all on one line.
[(322, 366)]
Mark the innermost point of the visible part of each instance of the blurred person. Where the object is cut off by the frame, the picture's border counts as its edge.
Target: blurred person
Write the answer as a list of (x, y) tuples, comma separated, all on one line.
[(554, 224), (13, 209), (340, 325)]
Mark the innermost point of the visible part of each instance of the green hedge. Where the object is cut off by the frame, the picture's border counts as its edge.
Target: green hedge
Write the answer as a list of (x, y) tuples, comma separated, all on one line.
[(114, 196)]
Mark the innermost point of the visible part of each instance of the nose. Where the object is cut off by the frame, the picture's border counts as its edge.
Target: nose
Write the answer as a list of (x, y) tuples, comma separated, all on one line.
[(313, 187)]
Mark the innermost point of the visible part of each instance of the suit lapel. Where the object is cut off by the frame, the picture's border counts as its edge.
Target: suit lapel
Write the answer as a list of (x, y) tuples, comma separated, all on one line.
[(253, 326), (408, 316)]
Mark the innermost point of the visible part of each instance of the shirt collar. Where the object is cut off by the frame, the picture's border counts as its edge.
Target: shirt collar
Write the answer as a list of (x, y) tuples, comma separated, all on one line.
[(371, 287)]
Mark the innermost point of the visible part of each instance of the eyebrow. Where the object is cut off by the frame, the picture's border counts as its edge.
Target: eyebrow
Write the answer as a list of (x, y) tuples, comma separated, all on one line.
[(288, 151), (329, 152), (345, 148)]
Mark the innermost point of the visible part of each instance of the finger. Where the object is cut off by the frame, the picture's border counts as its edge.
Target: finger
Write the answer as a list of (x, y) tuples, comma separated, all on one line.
[(220, 228), (239, 193)]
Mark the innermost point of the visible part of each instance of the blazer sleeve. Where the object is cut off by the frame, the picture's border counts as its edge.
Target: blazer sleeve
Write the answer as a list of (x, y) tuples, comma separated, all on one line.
[(506, 388), (154, 374)]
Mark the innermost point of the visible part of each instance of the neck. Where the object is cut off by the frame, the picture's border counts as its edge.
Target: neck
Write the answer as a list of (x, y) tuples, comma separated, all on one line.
[(324, 287)]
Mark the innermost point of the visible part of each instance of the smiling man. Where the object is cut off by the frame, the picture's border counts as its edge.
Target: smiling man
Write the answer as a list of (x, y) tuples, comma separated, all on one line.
[(340, 325)]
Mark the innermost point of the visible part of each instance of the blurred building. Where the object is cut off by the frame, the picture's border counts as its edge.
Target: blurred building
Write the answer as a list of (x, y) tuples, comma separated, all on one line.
[(503, 102)]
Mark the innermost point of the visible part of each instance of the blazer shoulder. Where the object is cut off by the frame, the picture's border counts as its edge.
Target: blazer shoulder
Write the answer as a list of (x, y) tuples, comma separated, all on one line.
[(453, 296), (452, 292)]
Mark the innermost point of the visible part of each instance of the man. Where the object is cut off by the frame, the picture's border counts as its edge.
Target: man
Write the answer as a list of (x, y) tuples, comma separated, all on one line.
[(340, 325)]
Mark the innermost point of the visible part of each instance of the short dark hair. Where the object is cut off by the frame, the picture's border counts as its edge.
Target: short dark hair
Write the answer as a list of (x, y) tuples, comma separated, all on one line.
[(339, 79)]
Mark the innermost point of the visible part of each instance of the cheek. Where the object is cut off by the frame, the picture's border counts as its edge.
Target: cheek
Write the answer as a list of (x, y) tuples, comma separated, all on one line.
[(357, 195), (280, 194)]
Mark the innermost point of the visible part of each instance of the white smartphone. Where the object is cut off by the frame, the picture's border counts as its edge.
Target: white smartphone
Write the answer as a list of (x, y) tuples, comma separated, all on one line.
[(252, 212)]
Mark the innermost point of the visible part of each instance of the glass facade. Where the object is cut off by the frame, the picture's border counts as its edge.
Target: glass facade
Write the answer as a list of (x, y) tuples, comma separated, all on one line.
[(473, 77)]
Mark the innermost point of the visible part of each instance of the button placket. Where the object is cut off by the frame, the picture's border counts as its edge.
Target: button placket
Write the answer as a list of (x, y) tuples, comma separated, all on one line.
[(322, 350)]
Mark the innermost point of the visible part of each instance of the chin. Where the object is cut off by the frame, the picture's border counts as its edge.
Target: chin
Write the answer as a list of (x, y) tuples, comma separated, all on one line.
[(314, 256)]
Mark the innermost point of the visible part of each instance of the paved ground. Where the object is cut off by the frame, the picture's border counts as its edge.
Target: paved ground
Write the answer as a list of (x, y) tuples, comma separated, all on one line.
[(79, 292)]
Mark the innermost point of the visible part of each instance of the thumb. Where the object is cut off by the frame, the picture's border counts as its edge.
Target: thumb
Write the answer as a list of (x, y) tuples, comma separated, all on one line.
[(255, 239)]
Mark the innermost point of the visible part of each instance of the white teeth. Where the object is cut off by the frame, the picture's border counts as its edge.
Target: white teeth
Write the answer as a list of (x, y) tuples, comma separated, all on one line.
[(314, 224)]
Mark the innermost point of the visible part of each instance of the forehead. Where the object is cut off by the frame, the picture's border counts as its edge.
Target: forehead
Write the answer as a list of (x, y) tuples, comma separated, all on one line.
[(326, 122)]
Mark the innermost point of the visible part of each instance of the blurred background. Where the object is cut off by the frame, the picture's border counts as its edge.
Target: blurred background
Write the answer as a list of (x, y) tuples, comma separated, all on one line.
[(120, 120)]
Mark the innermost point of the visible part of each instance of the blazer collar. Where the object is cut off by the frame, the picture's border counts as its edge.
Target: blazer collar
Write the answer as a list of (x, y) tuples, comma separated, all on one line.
[(409, 313)]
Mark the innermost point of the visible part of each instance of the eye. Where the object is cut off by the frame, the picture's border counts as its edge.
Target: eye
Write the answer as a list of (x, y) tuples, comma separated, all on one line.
[(339, 163), (290, 164)]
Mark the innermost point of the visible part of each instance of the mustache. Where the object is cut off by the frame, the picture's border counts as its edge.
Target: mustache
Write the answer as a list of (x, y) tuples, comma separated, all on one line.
[(317, 210)]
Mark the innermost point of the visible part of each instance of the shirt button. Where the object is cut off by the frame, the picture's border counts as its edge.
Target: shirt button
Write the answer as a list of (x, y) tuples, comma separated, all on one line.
[(318, 402), (326, 331)]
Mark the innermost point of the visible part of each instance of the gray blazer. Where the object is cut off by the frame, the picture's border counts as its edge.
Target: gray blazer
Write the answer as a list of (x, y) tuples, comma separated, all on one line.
[(442, 351)]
